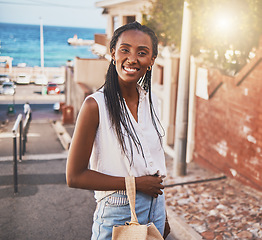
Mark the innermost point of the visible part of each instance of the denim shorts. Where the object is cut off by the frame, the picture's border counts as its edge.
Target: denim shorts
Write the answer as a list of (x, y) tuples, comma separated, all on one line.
[(115, 210)]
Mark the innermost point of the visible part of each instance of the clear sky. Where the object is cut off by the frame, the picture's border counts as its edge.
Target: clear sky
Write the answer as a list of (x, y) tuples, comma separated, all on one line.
[(76, 13)]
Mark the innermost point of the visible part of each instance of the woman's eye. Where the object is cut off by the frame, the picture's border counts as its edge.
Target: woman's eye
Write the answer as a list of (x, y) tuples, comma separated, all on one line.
[(124, 50), (142, 53)]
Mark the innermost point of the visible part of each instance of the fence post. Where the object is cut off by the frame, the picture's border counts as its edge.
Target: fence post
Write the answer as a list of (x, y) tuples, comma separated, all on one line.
[(14, 130), (24, 143), (20, 139), (15, 164)]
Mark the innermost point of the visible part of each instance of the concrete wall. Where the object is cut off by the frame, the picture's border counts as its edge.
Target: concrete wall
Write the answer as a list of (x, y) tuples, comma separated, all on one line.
[(228, 135), (82, 91), (85, 77), (91, 72), (75, 93)]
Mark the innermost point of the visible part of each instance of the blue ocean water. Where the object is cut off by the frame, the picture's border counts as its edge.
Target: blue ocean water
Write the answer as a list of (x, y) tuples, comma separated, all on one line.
[(22, 43)]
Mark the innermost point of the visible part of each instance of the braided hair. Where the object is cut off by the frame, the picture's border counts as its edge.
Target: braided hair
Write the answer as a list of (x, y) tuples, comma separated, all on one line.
[(114, 101)]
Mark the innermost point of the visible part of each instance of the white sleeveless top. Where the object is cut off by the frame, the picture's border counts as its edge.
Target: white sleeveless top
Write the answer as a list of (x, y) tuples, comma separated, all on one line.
[(107, 156)]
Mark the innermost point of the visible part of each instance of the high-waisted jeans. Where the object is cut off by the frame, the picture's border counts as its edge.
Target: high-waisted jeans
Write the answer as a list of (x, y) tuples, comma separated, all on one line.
[(115, 210)]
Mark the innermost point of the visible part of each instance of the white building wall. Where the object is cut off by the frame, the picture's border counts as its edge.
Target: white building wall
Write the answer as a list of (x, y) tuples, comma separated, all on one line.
[(167, 95)]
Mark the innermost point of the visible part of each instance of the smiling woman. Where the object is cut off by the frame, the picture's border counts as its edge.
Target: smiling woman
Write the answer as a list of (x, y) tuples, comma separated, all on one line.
[(118, 134)]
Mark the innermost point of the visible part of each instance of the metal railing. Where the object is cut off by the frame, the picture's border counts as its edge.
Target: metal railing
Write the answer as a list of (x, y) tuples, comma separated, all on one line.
[(23, 130)]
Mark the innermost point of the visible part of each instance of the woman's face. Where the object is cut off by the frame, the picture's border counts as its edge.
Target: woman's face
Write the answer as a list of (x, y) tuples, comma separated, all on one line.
[(133, 55)]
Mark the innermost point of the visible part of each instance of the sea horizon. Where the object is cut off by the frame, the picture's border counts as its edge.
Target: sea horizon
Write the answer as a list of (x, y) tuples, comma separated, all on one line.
[(22, 43), (51, 25)]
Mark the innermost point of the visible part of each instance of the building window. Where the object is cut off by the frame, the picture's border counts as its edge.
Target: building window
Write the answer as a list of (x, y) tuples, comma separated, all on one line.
[(160, 75), (115, 22), (130, 19)]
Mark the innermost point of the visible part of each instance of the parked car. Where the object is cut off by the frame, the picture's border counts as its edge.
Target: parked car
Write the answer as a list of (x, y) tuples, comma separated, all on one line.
[(23, 79), (8, 88), (4, 78), (58, 79), (52, 88), (41, 79)]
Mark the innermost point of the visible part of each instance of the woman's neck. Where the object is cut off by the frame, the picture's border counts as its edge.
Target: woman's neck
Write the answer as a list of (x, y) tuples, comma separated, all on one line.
[(129, 92)]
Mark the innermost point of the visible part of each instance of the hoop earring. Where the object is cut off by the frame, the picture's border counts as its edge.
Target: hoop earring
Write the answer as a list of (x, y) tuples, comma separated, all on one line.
[(114, 62), (149, 68)]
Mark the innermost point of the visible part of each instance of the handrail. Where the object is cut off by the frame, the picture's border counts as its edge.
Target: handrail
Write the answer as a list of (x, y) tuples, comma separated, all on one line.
[(27, 118), (17, 122), (23, 129)]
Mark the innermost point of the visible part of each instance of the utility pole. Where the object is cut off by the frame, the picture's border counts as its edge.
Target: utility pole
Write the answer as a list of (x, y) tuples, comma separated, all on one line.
[(42, 52), (179, 166), (42, 45)]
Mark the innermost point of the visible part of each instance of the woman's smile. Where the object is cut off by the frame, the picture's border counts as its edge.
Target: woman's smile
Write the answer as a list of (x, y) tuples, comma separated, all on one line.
[(130, 69)]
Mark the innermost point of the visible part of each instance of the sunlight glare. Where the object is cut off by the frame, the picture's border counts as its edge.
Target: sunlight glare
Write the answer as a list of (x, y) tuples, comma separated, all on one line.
[(223, 22)]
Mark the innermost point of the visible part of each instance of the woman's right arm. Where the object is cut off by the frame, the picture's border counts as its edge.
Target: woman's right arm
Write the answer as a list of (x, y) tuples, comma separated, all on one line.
[(77, 173)]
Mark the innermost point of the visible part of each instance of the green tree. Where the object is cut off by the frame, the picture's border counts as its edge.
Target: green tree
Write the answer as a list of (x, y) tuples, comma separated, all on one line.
[(225, 32), (165, 18)]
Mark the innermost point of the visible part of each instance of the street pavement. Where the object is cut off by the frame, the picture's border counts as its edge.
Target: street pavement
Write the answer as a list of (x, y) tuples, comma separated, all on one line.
[(45, 208)]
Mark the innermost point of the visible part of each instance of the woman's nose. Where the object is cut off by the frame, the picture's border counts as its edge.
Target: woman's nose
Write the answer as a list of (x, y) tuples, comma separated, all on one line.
[(132, 58)]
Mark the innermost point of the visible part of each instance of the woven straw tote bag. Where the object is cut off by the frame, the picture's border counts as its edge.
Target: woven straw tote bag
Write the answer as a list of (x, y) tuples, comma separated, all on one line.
[(133, 230)]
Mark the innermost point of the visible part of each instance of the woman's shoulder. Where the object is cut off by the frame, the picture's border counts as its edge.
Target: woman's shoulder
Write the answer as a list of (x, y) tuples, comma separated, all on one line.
[(95, 102), (98, 96), (90, 106), (88, 116)]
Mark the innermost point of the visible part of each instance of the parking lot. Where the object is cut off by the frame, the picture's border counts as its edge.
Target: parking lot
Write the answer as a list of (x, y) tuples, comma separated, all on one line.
[(33, 94)]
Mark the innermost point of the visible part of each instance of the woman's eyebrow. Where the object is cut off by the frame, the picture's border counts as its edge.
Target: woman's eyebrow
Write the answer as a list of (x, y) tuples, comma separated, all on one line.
[(144, 47), (141, 47)]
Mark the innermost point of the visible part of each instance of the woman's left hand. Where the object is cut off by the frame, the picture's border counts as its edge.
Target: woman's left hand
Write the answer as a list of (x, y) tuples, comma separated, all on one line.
[(150, 185)]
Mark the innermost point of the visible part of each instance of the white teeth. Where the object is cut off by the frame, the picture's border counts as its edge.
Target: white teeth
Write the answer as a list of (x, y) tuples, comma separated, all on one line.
[(130, 69)]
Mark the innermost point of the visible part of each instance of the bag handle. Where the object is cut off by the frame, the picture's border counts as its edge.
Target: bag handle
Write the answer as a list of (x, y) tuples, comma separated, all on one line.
[(131, 194)]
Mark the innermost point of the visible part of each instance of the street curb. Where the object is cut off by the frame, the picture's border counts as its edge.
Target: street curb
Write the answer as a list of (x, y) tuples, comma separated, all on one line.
[(62, 134), (179, 229), (37, 157)]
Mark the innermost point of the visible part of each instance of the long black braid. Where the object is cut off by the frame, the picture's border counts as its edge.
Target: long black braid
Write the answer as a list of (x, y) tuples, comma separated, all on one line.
[(114, 101)]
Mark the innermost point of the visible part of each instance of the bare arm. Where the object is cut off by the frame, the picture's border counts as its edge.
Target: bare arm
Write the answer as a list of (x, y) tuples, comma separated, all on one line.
[(77, 173)]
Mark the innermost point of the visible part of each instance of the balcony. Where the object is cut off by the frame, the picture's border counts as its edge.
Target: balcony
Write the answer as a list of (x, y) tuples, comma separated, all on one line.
[(101, 39), (101, 46)]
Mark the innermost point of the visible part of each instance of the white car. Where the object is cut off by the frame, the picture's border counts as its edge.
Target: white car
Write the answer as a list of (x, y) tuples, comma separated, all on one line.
[(4, 78), (8, 88), (23, 79), (41, 79)]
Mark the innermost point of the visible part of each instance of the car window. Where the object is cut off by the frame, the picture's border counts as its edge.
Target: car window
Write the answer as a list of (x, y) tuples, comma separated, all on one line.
[(7, 85)]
